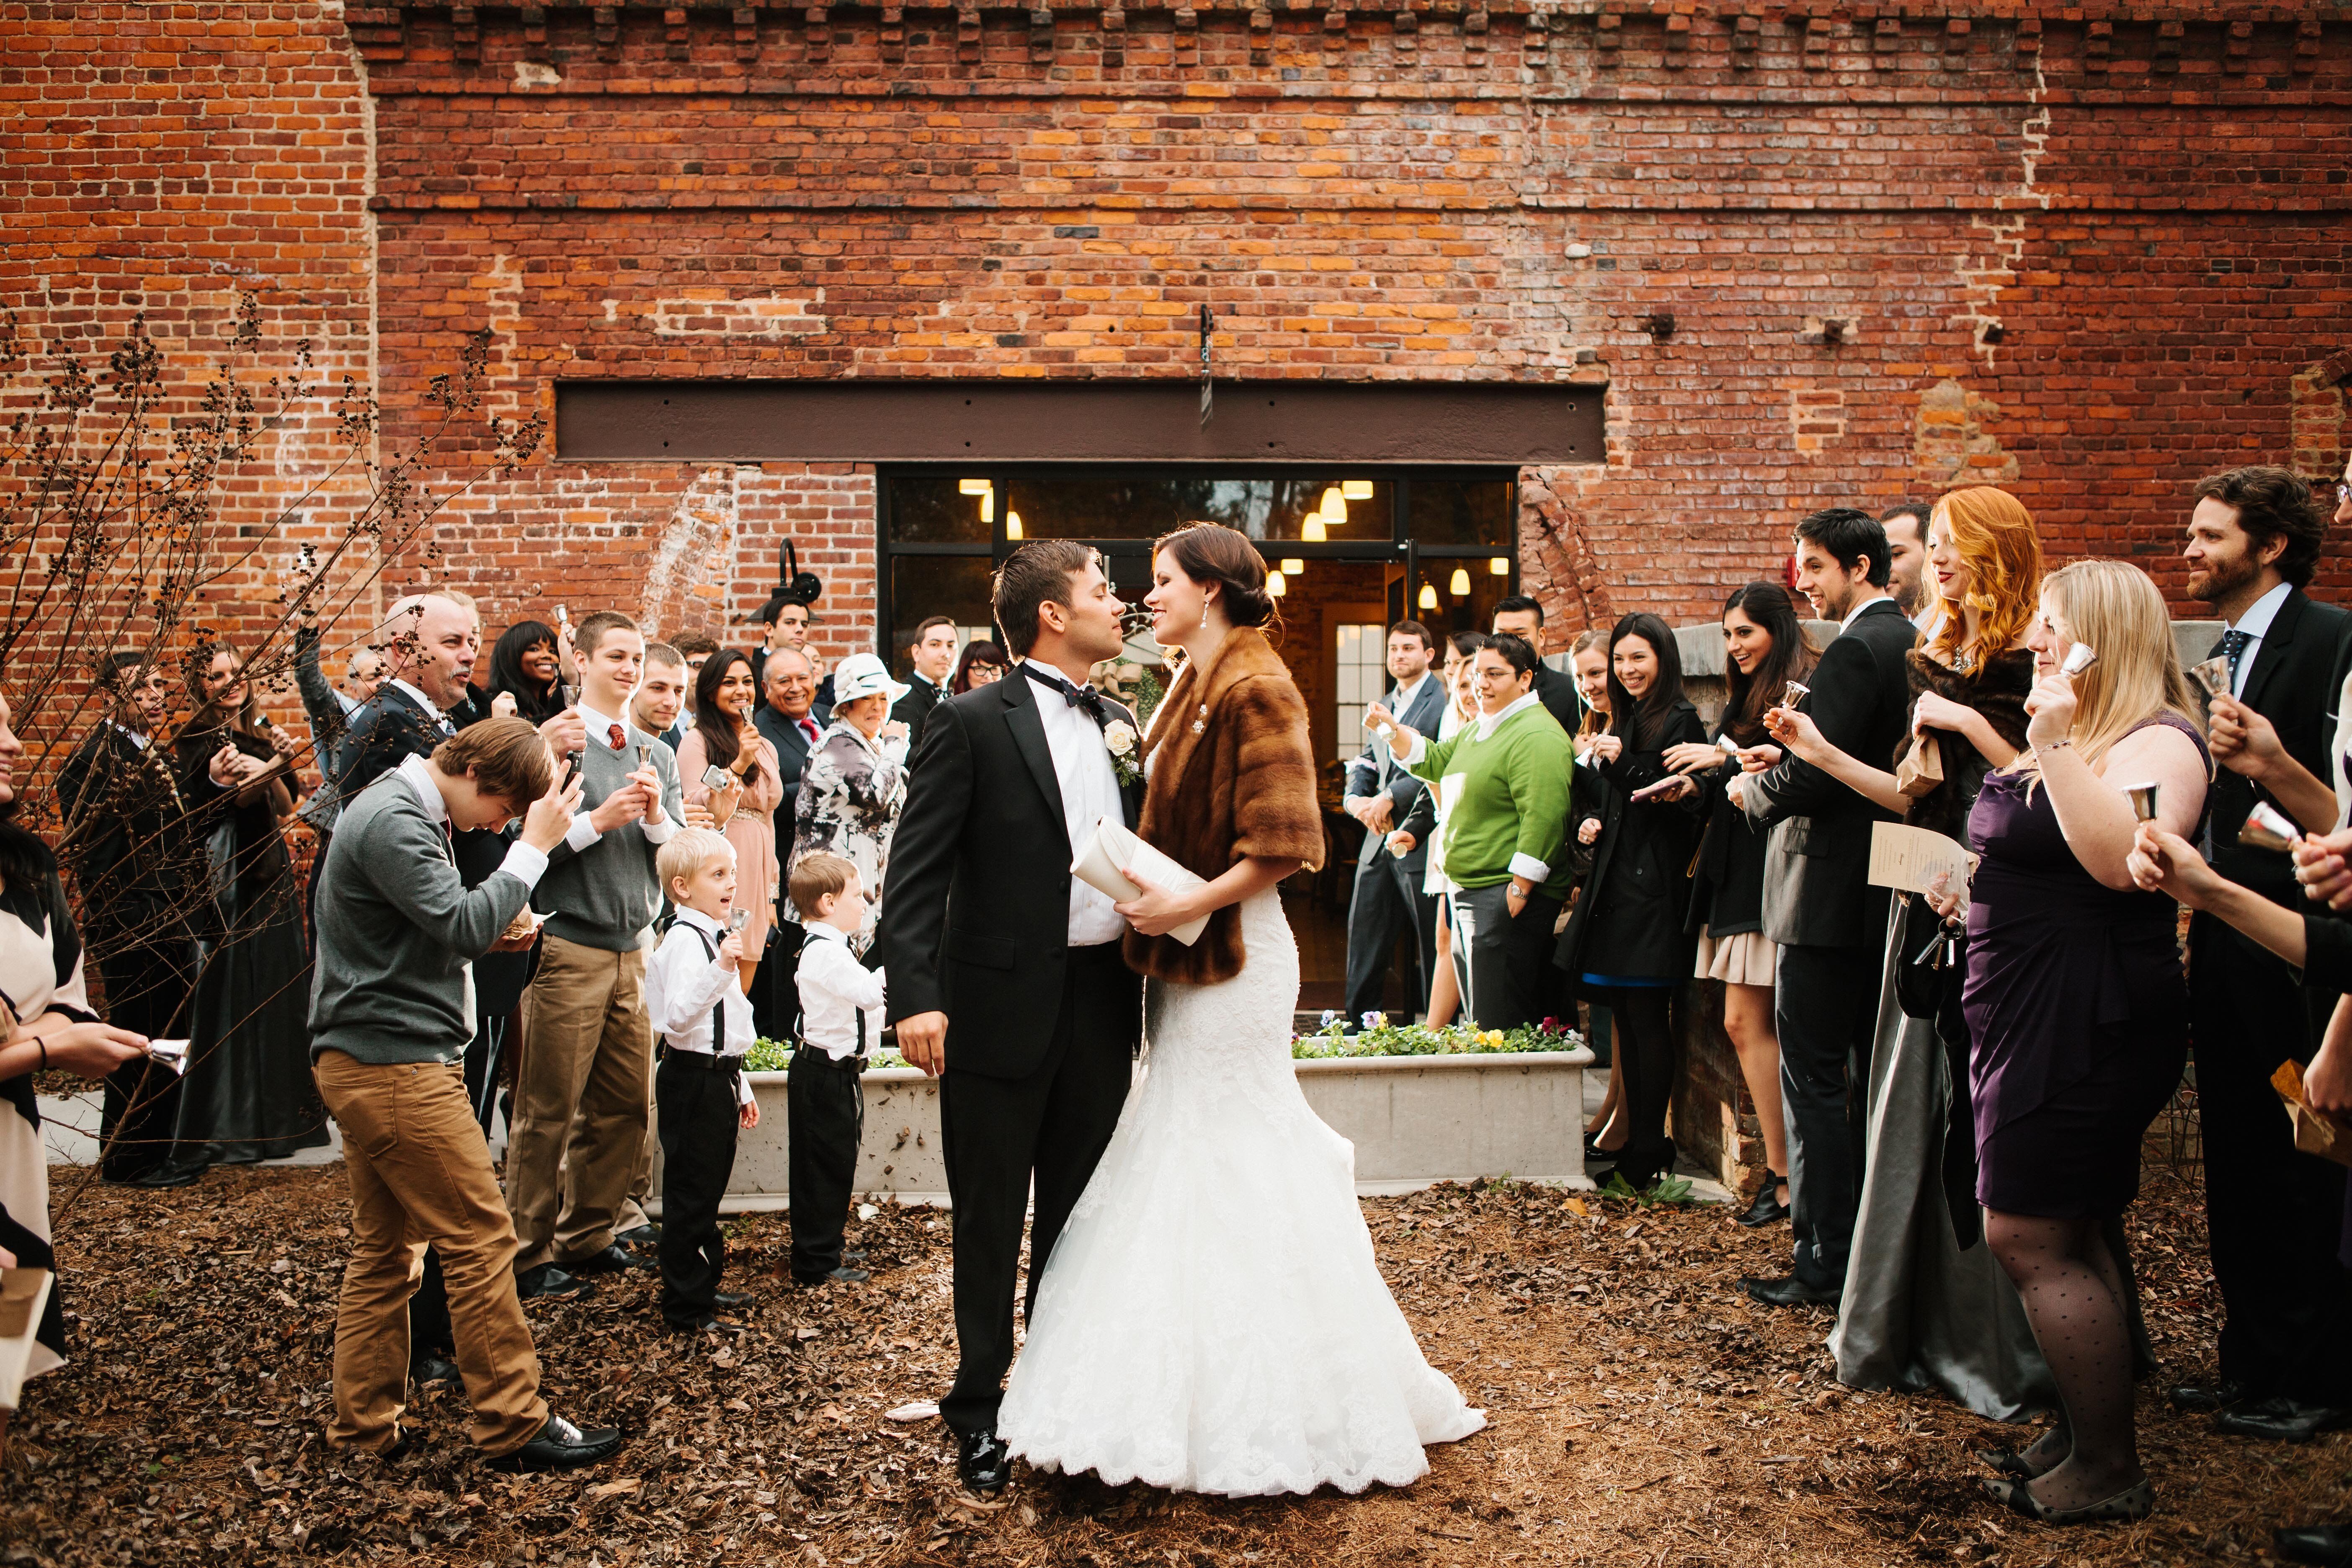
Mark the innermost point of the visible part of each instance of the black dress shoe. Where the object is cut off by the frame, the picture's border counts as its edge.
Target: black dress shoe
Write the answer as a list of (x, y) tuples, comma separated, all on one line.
[(2329, 1545), (983, 1463), (2281, 1420), (614, 1259), (842, 1276), (852, 1256), (428, 1367), (1768, 1208), (728, 1300), (1787, 1290), (645, 1235), (547, 1279), (2194, 1396), (561, 1445)]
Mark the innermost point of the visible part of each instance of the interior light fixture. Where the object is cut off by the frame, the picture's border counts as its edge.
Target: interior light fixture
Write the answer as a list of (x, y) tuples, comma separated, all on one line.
[(1356, 490), (974, 486), (1011, 526), (1274, 586), (1312, 529), (988, 506), (1429, 596), (1292, 566), (1500, 566), (1460, 586), (1335, 505)]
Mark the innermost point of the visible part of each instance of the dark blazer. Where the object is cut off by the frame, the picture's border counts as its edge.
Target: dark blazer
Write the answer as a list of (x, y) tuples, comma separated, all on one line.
[(2294, 683), (1629, 920), (1816, 876), (976, 902), (135, 864), (916, 706), (792, 757), (389, 728), (1556, 692), (1375, 771)]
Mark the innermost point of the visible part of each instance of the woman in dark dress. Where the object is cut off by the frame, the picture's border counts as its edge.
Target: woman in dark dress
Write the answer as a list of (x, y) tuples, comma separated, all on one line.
[(1624, 945), (2078, 1009), (249, 1094), (1765, 650)]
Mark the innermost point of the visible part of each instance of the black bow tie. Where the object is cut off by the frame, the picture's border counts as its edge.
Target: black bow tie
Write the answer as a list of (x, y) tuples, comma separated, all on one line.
[(1084, 697)]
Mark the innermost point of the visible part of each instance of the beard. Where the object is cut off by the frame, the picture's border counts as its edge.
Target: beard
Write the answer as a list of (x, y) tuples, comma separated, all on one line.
[(2217, 583)]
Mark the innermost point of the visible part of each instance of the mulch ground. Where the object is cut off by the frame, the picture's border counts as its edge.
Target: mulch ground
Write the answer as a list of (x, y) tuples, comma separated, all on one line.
[(1642, 1413)]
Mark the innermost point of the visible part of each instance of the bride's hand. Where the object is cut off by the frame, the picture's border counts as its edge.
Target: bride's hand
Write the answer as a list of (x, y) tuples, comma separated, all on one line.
[(1157, 910)]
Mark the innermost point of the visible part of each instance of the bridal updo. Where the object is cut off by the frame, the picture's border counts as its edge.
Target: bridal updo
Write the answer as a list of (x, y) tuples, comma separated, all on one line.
[(1211, 552)]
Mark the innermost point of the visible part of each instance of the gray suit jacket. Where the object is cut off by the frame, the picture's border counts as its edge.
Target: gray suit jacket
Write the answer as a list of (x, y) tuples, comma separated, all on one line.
[(1374, 771)]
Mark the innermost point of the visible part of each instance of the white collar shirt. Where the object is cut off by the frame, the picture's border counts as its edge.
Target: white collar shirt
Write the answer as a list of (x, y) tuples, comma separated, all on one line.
[(687, 990), (2256, 624), (135, 737), (1406, 696), (1860, 610), (835, 987), (1489, 722), (432, 708), (600, 727), (1089, 785)]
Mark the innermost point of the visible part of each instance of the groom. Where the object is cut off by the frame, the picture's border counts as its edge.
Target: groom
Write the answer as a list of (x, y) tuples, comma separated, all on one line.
[(1005, 979)]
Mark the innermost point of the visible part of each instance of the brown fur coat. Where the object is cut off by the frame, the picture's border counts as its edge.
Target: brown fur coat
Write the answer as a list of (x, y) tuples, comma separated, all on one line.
[(1235, 777), (1997, 689)]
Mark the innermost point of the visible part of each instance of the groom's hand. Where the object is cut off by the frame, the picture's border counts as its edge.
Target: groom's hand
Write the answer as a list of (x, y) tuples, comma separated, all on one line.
[(923, 1041)]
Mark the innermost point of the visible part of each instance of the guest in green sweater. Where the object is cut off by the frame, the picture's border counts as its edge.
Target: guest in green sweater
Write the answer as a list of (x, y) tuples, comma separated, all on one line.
[(1506, 777)]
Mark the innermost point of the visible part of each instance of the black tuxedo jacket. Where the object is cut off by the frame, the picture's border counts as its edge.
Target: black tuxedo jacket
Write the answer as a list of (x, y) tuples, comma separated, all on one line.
[(2294, 683), (916, 706), (137, 862), (389, 728), (1817, 889), (976, 905), (1556, 692)]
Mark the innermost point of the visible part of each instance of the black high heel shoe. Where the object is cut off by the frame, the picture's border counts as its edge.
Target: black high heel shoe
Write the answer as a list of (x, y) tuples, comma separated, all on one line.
[(1768, 1208)]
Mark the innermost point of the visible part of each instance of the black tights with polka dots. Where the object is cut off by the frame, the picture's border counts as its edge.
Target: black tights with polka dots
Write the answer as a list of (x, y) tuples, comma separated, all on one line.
[(2078, 1301)]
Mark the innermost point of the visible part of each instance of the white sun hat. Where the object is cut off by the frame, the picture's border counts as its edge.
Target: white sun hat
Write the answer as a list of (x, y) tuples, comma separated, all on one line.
[(863, 675)]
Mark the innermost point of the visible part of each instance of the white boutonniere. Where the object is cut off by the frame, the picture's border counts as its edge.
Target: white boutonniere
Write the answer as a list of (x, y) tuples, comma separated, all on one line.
[(1118, 740)]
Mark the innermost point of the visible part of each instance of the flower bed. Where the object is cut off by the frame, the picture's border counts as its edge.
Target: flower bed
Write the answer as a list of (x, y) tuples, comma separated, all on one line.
[(1376, 1036)]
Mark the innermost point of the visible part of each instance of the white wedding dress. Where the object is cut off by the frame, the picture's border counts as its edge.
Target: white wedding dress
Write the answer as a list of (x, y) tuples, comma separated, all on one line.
[(1211, 1320)]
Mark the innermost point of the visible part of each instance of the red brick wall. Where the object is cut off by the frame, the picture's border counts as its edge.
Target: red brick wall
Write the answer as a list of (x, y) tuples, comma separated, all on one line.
[(2150, 217)]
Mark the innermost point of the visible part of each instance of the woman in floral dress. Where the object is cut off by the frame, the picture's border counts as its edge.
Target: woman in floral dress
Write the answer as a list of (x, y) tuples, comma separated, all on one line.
[(855, 781)]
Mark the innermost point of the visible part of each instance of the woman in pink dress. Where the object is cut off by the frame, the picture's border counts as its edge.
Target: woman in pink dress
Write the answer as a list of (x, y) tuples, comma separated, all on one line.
[(723, 737)]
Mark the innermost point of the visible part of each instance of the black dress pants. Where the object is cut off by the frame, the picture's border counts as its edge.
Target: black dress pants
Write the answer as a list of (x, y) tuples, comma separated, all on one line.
[(2273, 1215), (1827, 1008), (1502, 961), (825, 1114), (1388, 904), (1000, 1133), (698, 1123), (147, 992)]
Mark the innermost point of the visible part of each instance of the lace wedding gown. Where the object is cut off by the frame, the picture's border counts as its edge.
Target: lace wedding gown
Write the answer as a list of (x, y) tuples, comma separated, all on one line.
[(1211, 1320)]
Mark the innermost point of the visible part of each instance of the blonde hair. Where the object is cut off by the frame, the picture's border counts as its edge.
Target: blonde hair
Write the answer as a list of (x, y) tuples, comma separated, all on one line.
[(1994, 534), (817, 876), (689, 849), (1590, 637), (2117, 609)]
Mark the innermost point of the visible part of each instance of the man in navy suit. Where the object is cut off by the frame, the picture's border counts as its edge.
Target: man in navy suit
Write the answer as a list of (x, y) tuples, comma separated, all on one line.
[(787, 719), (1388, 903)]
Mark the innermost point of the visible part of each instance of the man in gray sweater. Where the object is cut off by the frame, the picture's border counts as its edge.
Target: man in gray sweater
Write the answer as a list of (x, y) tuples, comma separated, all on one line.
[(391, 1012), (584, 1077)]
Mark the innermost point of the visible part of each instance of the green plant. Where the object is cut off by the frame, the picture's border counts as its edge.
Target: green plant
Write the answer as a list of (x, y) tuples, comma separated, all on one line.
[(776, 1055), (1383, 1038), (1669, 1192)]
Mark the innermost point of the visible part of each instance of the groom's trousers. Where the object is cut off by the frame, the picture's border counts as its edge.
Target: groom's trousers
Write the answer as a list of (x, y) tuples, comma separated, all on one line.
[(999, 1134)]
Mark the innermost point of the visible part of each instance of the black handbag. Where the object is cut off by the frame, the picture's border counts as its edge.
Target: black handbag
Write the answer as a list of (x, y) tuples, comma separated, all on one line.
[(1930, 959)]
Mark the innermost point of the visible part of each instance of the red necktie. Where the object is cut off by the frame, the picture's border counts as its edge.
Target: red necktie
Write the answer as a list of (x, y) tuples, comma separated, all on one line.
[(613, 737), (808, 729)]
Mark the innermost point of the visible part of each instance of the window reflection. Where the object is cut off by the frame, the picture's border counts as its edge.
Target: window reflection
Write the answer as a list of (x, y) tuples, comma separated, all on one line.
[(1454, 512), (925, 510), (923, 587)]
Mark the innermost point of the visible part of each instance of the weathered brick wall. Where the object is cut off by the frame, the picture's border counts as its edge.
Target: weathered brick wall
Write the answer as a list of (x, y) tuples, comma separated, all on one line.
[(2083, 251)]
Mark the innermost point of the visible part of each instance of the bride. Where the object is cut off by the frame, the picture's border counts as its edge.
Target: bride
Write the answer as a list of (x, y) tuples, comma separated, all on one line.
[(1212, 1319)]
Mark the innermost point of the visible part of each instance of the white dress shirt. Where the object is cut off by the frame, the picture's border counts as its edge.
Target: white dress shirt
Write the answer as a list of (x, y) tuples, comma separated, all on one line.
[(1855, 613), (432, 708), (135, 737), (687, 988), (1089, 785), (600, 734), (1399, 699), (835, 988), (2256, 624)]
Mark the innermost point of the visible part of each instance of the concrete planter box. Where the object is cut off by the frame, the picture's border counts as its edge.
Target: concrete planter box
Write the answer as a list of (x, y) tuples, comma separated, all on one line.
[(1414, 1120)]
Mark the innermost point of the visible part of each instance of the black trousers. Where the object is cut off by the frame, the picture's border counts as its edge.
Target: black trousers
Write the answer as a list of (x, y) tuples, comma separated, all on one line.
[(1642, 1017), (825, 1114), (698, 1123), (1826, 1003), (1502, 961), (1000, 1135), (147, 992), (2273, 1215), (1388, 904)]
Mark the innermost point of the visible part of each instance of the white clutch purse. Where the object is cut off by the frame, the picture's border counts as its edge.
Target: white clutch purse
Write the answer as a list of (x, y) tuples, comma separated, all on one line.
[(1111, 846)]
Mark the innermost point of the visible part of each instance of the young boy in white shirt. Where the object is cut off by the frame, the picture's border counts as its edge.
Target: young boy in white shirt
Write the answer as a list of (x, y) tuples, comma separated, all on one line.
[(841, 1017), (694, 997)]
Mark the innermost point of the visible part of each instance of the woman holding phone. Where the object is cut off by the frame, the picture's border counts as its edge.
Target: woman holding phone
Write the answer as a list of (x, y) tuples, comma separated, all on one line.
[(726, 766)]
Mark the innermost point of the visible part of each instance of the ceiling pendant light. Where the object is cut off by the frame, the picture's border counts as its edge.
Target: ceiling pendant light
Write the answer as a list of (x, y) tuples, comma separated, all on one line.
[(974, 486), (1356, 490), (1429, 596), (1312, 529), (1500, 565), (1292, 566), (1011, 526), (1274, 586), (1460, 586)]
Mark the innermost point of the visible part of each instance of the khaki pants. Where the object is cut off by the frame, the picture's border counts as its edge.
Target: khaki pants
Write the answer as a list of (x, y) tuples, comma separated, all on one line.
[(583, 1098), (420, 1171)]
